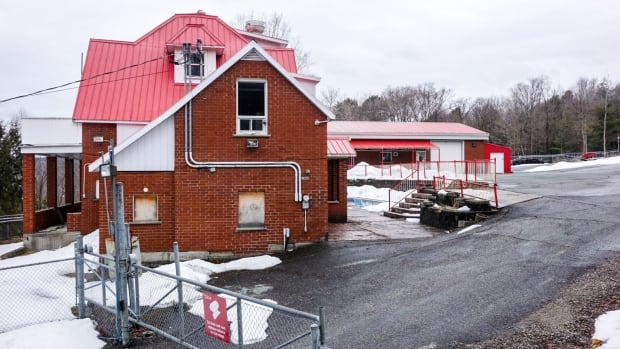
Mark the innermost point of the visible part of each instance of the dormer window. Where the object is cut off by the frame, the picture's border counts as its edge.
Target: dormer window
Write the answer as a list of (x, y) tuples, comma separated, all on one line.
[(195, 65)]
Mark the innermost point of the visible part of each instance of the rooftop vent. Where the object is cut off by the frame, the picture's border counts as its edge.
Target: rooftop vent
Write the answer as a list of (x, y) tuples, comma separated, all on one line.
[(254, 26), (201, 12)]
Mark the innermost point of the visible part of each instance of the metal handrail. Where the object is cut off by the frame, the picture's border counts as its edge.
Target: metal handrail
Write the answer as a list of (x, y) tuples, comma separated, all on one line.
[(11, 218), (406, 182)]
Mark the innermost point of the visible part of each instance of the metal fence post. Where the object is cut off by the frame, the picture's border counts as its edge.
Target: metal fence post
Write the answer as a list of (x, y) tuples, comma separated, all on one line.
[(177, 267), (136, 279), (239, 323), (131, 283), (315, 332), (322, 324), (79, 274)]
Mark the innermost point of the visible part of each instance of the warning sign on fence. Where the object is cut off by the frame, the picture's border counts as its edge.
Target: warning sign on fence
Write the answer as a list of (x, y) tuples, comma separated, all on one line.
[(216, 317)]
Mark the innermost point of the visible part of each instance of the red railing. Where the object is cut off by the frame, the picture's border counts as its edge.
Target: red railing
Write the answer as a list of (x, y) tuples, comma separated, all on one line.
[(467, 170)]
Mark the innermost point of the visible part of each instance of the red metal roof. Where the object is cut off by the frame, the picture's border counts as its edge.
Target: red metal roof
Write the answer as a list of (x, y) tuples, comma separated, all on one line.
[(403, 130), (339, 148), (134, 81), (390, 144)]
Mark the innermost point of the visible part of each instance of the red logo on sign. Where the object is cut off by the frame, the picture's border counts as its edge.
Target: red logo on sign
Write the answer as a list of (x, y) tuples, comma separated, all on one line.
[(216, 318)]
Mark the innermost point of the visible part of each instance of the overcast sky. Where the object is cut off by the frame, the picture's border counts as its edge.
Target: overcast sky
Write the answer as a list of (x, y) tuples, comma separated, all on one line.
[(476, 48)]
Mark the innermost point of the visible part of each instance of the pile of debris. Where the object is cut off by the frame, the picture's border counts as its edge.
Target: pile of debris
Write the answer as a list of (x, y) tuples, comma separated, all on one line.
[(448, 210)]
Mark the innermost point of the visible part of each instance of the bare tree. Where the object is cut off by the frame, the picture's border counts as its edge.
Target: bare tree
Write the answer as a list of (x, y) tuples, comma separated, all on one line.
[(431, 101), (330, 97), (401, 104), (374, 108), (347, 109), (526, 100), (584, 95), (486, 114), (276, 26), (460, 111)]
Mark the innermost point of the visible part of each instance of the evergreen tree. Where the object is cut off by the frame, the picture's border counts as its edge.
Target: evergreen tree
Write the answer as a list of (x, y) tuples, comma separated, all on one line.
[(10, 168)]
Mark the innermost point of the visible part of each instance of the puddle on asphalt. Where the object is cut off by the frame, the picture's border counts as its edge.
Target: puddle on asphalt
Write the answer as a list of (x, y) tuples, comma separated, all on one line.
[(256, 290)]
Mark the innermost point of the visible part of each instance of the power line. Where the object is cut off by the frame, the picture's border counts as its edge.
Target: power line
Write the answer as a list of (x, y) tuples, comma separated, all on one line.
[(105, 82), (50, 89)]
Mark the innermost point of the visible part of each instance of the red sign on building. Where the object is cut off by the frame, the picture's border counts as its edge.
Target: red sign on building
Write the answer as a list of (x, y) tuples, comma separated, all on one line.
[(216, 317)]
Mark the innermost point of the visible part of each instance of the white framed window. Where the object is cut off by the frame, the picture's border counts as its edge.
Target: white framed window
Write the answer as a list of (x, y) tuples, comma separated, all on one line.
[(195, 65), (251, 210), (199, 66), (420, 155), (145, 208), (251, 107), (387, 156)]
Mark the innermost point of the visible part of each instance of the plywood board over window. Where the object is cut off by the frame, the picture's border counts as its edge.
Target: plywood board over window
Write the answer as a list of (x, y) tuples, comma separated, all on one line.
[(251, 210), (145, 208)]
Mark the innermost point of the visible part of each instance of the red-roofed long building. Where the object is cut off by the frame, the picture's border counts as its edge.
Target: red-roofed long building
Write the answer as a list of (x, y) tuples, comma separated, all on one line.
[(387, 143), (221, 145)]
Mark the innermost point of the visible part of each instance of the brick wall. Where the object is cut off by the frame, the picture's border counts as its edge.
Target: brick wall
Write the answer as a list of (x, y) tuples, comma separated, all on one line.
[(206, 207), (338, 210), (89, 218), (153, 236), (28, 194), (198, 208), (474, 150)]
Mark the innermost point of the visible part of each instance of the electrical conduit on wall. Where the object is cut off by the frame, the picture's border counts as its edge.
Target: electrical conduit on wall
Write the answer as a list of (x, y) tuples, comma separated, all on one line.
[(191, 162)]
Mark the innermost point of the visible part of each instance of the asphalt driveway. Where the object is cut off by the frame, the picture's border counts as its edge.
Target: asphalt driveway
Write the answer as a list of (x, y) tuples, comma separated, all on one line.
[(434, 292)]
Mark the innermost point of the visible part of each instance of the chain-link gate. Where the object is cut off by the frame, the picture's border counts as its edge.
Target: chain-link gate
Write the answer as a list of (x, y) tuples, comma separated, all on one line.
[(168, 307)]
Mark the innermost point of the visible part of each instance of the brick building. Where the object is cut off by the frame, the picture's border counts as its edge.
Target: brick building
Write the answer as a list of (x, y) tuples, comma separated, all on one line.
[(221, 144)]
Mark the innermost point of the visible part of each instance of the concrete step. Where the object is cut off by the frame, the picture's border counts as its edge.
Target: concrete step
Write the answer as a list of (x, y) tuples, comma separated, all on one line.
[(414, 200), (409, 205), (415, 210), (400, 215), (423, 196)]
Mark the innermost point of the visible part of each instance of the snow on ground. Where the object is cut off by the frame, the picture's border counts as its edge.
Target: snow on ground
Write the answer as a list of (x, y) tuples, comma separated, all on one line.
[(607, 330), (77, 333), (364, 170), (6, 248), (46, 294), (374, 199), (563, 165)]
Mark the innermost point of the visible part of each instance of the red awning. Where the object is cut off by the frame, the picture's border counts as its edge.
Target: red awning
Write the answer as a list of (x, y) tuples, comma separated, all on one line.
[(339, 148), (391, 144)]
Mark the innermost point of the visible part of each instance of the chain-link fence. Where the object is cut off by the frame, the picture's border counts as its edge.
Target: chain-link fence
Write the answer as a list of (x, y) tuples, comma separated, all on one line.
[(37, 293), (165, 306)]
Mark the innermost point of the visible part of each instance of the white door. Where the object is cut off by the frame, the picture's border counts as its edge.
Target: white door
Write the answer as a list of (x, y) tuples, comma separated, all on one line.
[(499, 162)]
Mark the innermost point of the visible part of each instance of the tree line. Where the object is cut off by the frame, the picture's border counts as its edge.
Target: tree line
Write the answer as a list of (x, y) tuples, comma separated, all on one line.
[(10, 168), (533, 119)]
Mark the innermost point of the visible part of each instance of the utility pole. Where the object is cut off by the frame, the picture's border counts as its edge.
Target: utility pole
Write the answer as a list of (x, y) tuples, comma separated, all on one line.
[(604, 84), (119, 233)]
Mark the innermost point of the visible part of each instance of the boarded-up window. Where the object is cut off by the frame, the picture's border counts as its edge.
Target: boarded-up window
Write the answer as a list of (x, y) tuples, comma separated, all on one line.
[(252, 210), (145, 208)]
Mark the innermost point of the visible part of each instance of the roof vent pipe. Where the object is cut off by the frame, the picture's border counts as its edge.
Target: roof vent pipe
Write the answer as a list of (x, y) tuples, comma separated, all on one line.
[(201, 12), (254, 26)]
